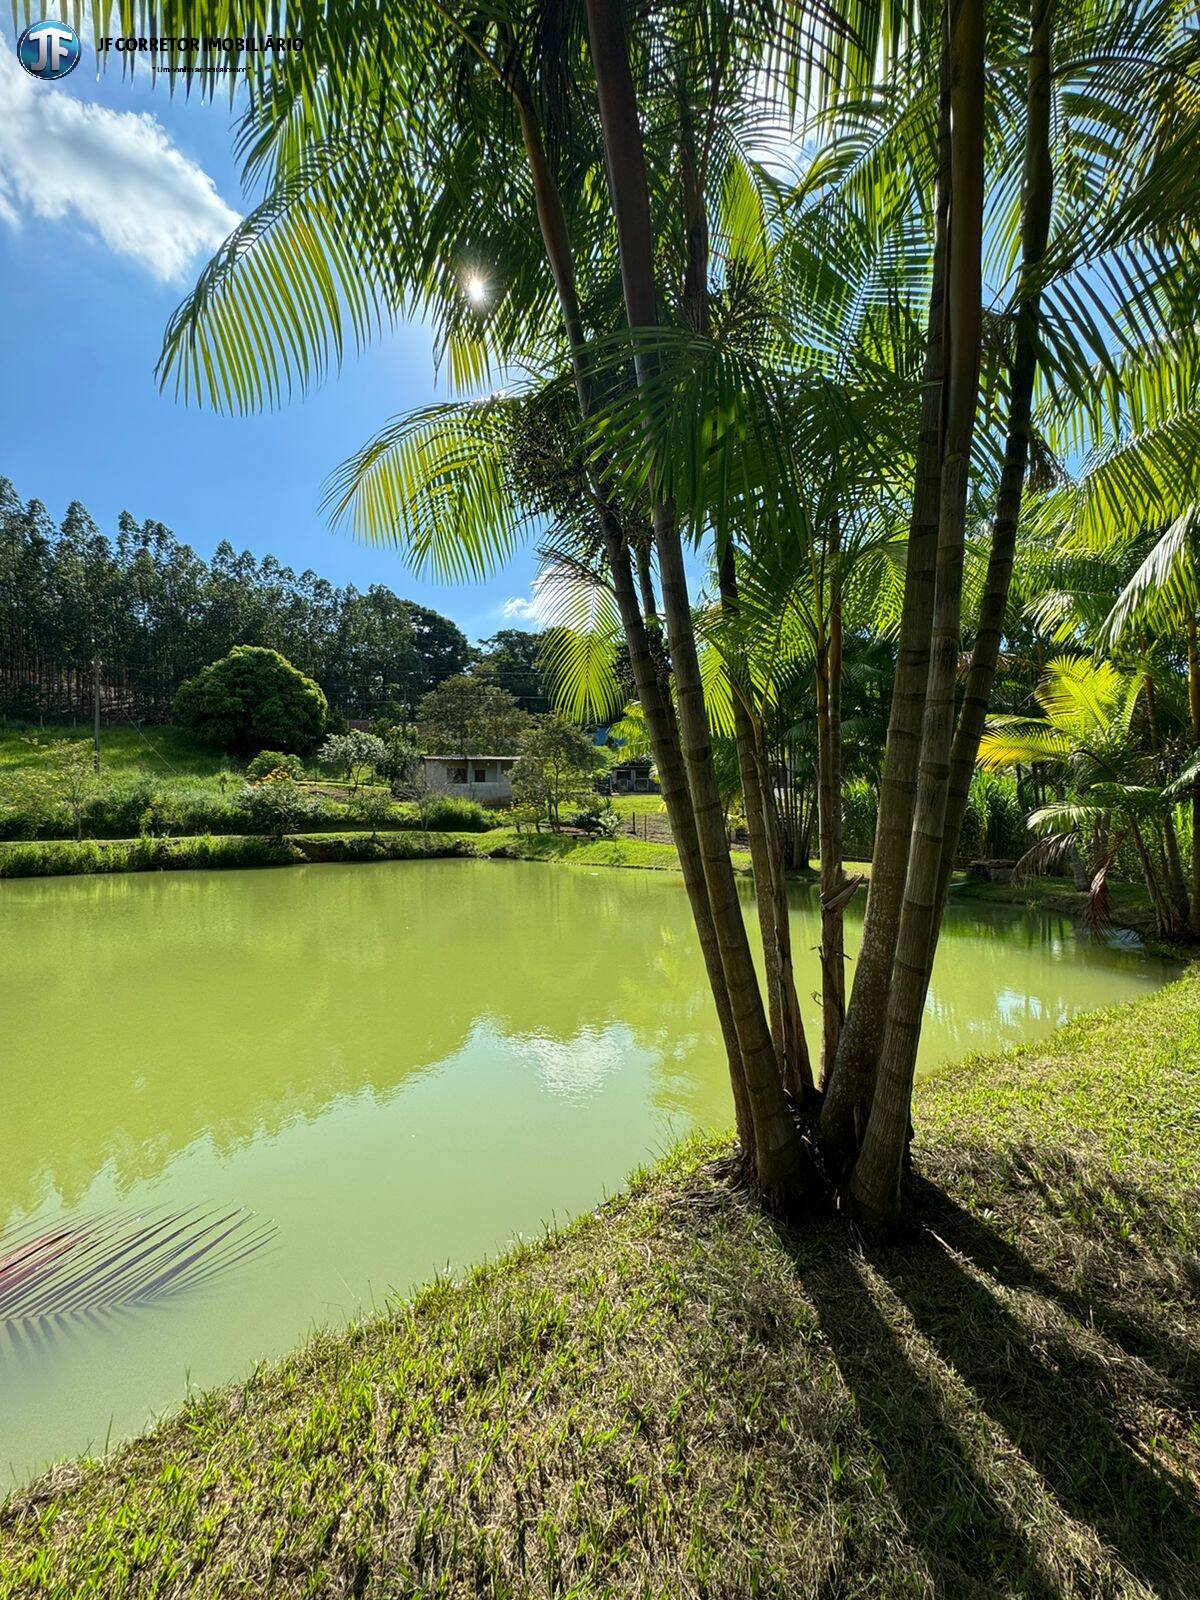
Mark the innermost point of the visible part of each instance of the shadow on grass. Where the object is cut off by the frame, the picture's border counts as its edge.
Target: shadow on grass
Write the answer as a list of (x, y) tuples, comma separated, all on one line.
[(1174, 1360), (1037, 1438)]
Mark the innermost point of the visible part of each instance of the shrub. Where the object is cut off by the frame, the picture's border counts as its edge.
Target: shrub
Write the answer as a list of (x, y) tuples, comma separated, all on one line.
[(66, 857), (860, 807), (268, 761), (253, 699), (274, 807), (993, 825), (30, 806), (372, 808), (156, 808), (448, 814), (120, 808), (602, 822)]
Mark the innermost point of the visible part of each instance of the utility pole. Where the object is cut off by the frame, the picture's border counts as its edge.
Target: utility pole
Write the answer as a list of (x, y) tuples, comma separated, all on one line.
[(96, 712)]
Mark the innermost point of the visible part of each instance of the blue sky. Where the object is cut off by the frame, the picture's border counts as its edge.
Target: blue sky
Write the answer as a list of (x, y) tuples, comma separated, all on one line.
[(112, 196)]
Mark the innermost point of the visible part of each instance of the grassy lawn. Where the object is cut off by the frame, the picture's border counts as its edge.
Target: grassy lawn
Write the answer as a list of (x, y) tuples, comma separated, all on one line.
[(642, 805), (677, 1397), (157, 752), (576, 851), (573, 851)]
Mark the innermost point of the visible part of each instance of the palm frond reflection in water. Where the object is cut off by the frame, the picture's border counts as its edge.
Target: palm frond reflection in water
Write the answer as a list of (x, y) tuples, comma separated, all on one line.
[(110, 1263)]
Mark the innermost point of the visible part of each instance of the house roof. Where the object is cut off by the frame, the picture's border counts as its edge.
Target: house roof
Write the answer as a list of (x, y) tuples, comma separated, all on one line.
[(470, 758)]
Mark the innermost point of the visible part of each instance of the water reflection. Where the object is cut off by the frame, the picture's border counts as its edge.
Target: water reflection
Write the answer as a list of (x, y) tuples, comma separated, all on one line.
[(402, 1065)]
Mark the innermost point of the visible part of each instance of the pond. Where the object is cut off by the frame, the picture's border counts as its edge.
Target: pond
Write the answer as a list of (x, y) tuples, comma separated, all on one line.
[(402, 1066)]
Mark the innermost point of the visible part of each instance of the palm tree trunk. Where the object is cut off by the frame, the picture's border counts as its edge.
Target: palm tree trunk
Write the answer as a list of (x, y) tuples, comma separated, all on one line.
[(1164, 922), (875, 1184), (782, 1167), (1172, 871), (1037, 207), (676, 794), (1193, 657), (770, 889), (648, 679), (829, 759), (798, 1078), (1172, 865), (848, 1093), (770, 892), (641, 554)]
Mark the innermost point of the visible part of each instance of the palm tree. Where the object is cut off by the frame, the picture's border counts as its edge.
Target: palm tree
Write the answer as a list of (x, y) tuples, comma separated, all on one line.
[(623, 136), (1049, 279), (504, 68), (1093, 734)]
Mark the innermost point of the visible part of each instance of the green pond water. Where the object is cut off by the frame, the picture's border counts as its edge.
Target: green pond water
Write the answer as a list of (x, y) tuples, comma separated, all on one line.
[(403, 1066)]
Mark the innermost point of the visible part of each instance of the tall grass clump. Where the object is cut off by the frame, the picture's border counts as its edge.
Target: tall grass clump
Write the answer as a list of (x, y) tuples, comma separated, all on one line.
[(57, 858), (994, 824), (448, 814)]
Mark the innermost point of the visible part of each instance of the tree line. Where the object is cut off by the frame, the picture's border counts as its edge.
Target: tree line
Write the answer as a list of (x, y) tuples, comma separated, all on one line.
[(152, 613)]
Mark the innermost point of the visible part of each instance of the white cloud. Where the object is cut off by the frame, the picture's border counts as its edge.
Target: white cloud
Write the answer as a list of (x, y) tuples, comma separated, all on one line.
[(520, 610), (116, 172)]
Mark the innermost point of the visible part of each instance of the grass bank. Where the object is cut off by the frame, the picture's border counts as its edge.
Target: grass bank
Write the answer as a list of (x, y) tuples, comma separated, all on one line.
[(574, 850), (60, 858), (1130, 903), (676, 1397), (68, 857)]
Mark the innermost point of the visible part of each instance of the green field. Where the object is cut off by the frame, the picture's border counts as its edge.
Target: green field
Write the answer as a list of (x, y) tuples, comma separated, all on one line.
[(677, 1397), (127, 752), (641, 805)]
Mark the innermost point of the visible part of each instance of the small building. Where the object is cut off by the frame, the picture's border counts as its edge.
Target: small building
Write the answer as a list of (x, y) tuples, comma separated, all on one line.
[(487, 779), (635, 776)]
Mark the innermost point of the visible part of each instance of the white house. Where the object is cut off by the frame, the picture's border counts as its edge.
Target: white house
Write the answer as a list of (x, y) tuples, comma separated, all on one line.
[(483, 778)]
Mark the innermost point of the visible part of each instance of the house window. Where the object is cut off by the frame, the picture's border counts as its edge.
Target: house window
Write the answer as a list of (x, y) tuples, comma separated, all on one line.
[(480, 774), (458, 774)]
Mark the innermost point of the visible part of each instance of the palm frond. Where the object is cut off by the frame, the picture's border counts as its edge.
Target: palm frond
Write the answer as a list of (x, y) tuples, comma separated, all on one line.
[(104, 1264)]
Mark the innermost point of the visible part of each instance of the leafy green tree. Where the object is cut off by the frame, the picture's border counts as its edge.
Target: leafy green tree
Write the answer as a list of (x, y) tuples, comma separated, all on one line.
[(467, 716), (441, 650), (353, 754), (371, 655), (557, 764), (401, 760), (252, 698), (511, 659)]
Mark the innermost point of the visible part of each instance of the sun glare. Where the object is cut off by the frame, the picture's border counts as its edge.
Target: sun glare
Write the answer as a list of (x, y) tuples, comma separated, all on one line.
[(476, 288)]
